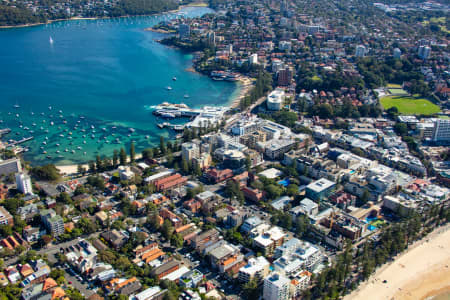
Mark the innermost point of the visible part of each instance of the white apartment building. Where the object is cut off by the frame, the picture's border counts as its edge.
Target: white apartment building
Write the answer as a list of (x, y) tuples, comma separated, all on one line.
[(253, 59), (189, 151), (23, 182), (441, 132), (256, 268), (275, 99), (276, 287)]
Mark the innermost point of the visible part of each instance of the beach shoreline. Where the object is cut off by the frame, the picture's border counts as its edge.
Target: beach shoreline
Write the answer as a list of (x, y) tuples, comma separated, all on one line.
[(246, 85), (421, 272), (67, 170)]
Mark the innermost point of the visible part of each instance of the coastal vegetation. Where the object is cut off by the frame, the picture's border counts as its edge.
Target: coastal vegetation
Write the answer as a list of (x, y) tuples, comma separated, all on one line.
[(141, 7), (11, 16), (21, 15)]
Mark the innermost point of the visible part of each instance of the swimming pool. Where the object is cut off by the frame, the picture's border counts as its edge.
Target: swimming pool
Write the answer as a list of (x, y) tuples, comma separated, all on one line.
[(284, 182)]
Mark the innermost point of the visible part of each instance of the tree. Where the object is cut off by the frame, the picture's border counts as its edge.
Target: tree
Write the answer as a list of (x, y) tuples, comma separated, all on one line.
[(184, 166), (87, 226), (115, 158), (92, 166), (176, 240), (153, 221), (132, 152), (98, 163), (392, 111), (292, 190), (46, 239), (123, 157), (273, 191), (401, 129), (47, 172), (147, 154), (167, 229), (365, 197), (301, 225), (162, 145), (250, 289), (81, 169)]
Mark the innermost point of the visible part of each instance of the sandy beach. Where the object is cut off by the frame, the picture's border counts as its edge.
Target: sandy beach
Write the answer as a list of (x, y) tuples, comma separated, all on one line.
[(246, 85), (73, 169), (421, 272)]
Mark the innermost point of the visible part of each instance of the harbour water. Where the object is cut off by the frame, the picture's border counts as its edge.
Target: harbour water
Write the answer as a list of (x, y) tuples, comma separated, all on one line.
[(86, 87)]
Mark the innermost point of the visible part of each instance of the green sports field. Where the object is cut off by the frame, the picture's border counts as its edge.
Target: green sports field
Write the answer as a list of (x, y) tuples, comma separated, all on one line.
[(407, 105)]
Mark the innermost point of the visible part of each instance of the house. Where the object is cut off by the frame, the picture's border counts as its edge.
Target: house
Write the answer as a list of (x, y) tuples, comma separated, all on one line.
[(116, 238), (82, 256), (122, 286), (5, 217)]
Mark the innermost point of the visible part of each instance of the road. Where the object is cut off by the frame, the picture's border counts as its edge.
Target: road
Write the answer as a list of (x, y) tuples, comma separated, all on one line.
[(236, 117)]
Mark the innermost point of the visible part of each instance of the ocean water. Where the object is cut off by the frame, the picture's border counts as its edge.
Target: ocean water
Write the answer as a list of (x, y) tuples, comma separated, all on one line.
[(80, 95)]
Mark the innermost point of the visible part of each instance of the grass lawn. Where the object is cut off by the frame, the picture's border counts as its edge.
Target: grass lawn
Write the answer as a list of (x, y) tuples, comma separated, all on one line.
[(408, 105), (394, 86), (377, 223)]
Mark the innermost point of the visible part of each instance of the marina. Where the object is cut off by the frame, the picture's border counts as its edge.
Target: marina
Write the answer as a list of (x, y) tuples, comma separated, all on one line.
[(199, 117), (103, 102)]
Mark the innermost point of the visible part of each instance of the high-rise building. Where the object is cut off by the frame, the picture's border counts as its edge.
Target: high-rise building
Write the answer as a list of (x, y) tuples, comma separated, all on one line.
[(276, 287), (441, 131), (189, 151), (230, 49), (257, 268), (184, 31), (253, 59), (53, 222), (360, 51), (23, 182), (424, 52), (211, 37), (284, 77), (275, 99)]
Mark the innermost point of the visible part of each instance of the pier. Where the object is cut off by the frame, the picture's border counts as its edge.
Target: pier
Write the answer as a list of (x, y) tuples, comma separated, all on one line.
[(14, 143), (4, 131), (174, 127)]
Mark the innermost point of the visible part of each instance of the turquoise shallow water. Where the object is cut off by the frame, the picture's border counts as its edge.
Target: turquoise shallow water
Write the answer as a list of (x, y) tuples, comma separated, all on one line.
[(98, 79)]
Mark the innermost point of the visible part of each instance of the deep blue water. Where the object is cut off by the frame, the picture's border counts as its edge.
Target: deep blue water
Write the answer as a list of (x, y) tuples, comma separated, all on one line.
[(110, 72)]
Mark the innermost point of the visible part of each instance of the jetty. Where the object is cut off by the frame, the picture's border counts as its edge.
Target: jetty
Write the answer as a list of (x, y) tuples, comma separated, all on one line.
[(4, 131), (14, 142), (175, 127)]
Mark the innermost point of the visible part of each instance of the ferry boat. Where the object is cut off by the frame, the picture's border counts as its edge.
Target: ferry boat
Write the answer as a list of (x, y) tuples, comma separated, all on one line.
[(167, 115)]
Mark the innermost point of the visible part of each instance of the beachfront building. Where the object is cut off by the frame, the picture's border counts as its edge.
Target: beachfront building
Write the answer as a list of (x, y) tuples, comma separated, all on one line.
[(276, 287)]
